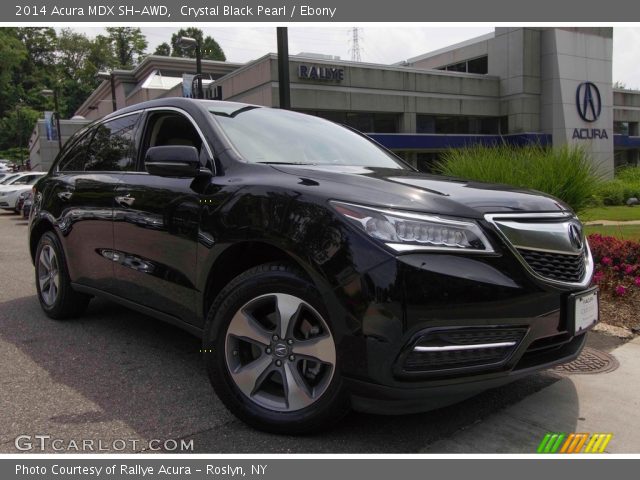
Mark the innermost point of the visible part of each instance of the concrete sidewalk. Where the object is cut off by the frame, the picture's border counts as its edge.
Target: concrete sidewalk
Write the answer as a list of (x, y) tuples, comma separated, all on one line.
[(612, 222), (595, 403)]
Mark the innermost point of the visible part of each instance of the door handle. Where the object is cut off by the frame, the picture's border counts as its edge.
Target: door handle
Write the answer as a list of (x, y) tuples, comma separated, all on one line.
[(65, 196), (125, 200)]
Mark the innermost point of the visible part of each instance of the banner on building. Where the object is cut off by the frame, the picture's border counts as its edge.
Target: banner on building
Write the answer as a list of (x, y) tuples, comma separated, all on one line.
[(187, 85), (50, 124)]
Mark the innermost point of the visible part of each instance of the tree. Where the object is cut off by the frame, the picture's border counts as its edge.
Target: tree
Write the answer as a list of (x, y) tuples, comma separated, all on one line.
[(35, 69), (79, 59), (164, 49), (210, 49), (15, 130), (128, 45), (12, 54)]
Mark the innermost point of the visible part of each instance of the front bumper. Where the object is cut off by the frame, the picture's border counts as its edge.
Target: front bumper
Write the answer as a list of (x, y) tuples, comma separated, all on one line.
[(396, 400), (434, 293)]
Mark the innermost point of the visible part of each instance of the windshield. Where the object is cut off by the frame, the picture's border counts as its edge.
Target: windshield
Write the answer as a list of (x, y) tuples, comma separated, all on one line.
[(266, 135)]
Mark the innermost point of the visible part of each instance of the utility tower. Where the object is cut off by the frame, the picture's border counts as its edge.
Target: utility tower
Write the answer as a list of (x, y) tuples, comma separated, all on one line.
[(355, 45)]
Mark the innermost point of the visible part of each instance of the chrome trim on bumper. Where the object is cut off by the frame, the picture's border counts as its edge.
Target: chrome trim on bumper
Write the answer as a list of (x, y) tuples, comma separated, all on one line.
[(476, 346)]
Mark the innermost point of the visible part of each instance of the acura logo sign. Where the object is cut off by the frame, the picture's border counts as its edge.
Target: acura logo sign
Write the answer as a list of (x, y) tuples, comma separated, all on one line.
[(588, 101), (575, 236)]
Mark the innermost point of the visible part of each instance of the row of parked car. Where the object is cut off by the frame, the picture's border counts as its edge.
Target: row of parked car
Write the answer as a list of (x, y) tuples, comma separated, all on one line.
[(16, 191)]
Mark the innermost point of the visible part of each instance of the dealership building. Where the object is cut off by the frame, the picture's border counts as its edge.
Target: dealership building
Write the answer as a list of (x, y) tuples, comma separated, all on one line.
[(551, 86)]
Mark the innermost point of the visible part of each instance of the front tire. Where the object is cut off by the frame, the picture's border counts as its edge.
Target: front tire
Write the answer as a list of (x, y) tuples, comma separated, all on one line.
[(270, 352), (57, 298)]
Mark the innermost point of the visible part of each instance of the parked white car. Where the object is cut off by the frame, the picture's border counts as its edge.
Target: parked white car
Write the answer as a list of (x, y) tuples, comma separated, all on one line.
[(8, 177), (10, 191)]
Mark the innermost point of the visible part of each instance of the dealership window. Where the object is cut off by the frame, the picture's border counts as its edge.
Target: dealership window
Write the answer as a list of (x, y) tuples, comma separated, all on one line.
[(363, 121), (475, 65), (461, 125), (478, 65), (621, 128)]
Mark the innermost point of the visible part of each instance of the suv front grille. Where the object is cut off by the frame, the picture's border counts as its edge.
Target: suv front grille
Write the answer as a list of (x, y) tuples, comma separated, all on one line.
[(556, 266), (552, 246)]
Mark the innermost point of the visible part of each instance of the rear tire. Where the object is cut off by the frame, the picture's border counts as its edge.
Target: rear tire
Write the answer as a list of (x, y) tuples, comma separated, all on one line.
[(57, 298), (270, 352)]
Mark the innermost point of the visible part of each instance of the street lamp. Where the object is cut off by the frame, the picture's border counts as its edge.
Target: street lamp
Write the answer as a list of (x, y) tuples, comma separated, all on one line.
[(54, 93), (109, 76), (188, 42), (284, 89)]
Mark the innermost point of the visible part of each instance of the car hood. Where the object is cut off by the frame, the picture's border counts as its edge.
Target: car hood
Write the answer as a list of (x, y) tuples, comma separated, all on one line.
[(409, 190)]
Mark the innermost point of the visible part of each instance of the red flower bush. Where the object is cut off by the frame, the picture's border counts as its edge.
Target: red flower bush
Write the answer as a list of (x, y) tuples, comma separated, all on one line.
[(617, 264)]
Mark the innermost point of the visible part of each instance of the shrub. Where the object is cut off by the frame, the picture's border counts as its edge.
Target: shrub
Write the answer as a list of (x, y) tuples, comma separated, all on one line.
[(617, 264), (611, 193), (629, 174), (617, 191), (566, 173)]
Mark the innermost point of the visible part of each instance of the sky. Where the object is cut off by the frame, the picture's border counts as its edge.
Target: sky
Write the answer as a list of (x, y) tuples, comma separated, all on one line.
[(377, 44)]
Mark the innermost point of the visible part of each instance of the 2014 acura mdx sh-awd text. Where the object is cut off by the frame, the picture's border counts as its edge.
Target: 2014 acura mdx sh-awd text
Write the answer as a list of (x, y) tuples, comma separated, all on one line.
[(321, 271)]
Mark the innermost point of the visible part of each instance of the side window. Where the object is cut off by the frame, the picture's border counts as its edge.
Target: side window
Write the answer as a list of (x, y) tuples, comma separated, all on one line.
[(171, 129), (21, 180), (74, 159), (113, 145), (26, 180), (34, 179)]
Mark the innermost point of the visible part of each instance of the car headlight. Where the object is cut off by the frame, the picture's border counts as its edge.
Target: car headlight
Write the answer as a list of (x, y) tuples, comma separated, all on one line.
[(406, 231), (23, 195)]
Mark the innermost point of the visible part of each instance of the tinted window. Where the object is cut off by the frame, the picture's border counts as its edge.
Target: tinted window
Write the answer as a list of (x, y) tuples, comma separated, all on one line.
[(73, 160), (264, 135), (113, 146)]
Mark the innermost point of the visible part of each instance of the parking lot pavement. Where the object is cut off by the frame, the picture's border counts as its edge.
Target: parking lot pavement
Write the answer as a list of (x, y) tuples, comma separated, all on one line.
[(605, 403), (118, 375)]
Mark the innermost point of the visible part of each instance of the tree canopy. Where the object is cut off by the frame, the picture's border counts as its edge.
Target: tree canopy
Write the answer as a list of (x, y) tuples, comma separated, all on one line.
[(210, 49), (37, 58)]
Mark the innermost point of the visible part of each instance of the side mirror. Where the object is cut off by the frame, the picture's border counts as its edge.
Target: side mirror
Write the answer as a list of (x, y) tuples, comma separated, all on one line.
[(172, 161)]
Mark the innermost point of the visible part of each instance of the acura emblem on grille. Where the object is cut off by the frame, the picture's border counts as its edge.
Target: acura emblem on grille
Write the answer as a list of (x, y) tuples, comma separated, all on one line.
[(575, 236)]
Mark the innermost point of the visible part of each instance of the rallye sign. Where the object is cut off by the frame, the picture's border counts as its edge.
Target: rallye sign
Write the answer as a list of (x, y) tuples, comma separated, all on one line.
[(314, 72)]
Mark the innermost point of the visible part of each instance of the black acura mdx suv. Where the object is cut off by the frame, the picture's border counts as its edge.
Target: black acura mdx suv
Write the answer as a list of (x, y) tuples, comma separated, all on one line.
[(321, 271)]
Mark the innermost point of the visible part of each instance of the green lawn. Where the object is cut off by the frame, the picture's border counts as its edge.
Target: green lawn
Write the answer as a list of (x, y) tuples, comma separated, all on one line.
[(618, 214), (623, 232)]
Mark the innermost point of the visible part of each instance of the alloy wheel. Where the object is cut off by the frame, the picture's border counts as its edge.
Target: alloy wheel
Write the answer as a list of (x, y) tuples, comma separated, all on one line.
[(48, 275), (280, 352)]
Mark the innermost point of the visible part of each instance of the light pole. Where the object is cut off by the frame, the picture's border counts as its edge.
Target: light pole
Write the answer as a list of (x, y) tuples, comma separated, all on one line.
[(187, 42), (283, 68), (109, 76), (56, 112)]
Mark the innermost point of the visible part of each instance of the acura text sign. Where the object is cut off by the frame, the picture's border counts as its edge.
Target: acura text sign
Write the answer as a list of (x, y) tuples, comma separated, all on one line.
[(314, 72)]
